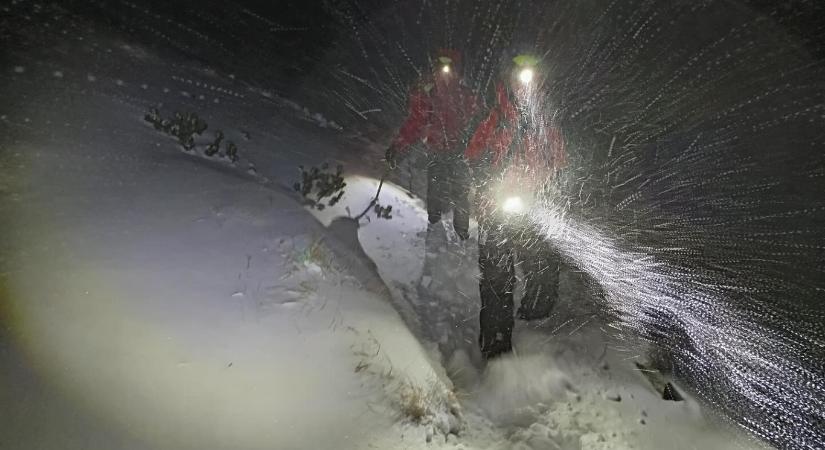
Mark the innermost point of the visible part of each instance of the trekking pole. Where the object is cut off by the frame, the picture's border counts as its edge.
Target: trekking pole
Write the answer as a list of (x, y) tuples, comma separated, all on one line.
[(377, 193)]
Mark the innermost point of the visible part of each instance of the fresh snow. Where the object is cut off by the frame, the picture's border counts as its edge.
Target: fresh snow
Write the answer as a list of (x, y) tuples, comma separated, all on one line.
[(566, 386), (154, 298)]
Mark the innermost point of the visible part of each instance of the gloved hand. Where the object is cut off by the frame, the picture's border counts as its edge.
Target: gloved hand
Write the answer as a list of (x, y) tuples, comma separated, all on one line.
[(391, 156)]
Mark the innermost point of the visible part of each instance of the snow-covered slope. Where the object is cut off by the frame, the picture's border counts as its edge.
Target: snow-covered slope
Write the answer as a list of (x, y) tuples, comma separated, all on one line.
[(175, 301), (183, 304)]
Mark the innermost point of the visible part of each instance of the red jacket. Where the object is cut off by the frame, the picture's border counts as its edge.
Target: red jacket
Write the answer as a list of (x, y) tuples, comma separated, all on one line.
[(440, 114), (537, 148)]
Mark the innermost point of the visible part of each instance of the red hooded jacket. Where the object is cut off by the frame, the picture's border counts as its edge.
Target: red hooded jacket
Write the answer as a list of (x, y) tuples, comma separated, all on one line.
[(440, 115), (537, 149)]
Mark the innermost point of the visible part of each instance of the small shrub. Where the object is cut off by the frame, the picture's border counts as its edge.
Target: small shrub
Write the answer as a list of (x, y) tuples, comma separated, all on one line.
[(320, 187), (182, 126), (185, 127), (213, 148), (232, 151), (383, 212)]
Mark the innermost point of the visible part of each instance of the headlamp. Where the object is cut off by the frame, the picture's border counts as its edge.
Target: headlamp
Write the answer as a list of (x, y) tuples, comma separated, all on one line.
[(445, 64), (513, 205), (525, 75), (526, 64), (513, 199)]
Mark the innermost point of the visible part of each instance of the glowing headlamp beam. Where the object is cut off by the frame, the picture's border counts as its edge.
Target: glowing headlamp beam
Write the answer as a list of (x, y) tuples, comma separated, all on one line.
[(445, 68), (526, 75), (513, 205)]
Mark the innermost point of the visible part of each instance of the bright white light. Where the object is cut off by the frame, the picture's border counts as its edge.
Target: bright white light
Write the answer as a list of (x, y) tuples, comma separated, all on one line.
[(513, 205), (445, 69), (526, 76)]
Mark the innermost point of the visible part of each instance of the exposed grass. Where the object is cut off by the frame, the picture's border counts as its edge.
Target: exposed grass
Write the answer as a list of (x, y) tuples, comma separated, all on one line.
[(315, 252), (412, 401), (415, 401)]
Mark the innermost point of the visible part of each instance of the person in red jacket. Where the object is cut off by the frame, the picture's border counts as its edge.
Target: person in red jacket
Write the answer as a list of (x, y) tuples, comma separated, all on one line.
[(441, 110), (515, 152)]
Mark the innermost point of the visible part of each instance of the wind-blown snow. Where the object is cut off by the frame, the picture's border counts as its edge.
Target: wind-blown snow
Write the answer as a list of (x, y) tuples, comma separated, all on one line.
[(156, 299)]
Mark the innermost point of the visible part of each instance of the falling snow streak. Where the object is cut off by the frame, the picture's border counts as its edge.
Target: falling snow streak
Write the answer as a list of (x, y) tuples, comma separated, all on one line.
[(760, 365)]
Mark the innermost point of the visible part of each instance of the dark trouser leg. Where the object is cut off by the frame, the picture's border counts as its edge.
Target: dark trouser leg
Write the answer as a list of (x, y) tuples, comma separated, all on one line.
[(540, 264), (496, 288), (460, 196), (437, 187)]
